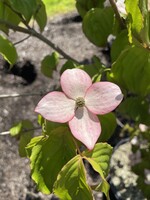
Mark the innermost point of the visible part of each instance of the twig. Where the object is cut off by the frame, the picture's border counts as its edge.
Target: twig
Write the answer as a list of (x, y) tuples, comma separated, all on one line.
[(119, 123), (20, 95), (113, 4), (77, 147), (5, 133), (34, 33), (22, 40), (24, 131)]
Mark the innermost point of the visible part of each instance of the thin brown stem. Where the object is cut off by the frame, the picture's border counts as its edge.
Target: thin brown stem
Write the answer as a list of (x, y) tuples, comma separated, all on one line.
[(20, 41), (2, 96), (77, 147), (118, 17), (34, 33)]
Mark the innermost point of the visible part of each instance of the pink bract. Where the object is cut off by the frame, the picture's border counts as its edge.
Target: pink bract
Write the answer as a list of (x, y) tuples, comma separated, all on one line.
[(79, 103)]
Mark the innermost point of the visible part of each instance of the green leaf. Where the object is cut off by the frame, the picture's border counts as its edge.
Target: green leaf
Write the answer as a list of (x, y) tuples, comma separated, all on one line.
[(107, 131), (25, 136), (16, 129), (132, 70), (99, 158), (40, 120), (8, 15), (8, 50), (120, 44), (49, 126), (24, 131), (104, 186), (49, 64), (24, 7), (135, 18), (101, 155), (33, 142), (83, 6), (137, 109), (71, 181), (144, 7), (40, 15), (98, 24), (69, 64), (95, 70), (48, 156)]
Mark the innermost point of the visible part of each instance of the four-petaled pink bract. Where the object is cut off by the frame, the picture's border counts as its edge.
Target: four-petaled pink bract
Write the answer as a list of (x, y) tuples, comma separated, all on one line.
[(79, 104)]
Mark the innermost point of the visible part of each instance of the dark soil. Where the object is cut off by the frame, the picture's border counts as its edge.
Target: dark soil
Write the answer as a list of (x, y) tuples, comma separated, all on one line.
[(66, 32)]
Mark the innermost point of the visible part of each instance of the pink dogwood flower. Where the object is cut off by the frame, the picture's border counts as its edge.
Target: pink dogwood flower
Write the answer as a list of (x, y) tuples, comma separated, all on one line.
[(79, 104)]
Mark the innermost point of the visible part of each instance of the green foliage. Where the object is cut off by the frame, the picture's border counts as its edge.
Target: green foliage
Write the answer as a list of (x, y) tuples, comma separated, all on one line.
[(48, 155), (135, 21), (98, 24), (136, 108), (48, 126), (40, 15), (107, 131), (68, 65), (55, 167), (8, 50), (83, 6), (142, 167), (25, 7), (101, 155), (49, 64), (95, 70), (99, 159), (120, 44), (16, 129), (24, 131), (8, 15), (71, 181), (132, 70)]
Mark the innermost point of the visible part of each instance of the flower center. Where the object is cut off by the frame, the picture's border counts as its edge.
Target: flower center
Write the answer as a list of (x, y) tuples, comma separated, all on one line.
[(80, 102)]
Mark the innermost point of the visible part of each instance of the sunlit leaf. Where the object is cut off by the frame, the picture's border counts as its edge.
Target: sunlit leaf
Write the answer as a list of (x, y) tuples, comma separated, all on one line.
[(33, 142), (24, 7), (101, 155), (7, 15), (83, 6), (16, 129), (103, 186), (97, 25), (71, 181), (8, 50), (40, 15), (48, 156), (134, 15), (132, 70)]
